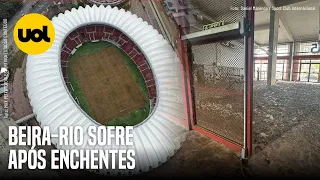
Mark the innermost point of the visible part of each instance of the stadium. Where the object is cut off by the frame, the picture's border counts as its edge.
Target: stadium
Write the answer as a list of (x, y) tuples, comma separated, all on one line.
[(92, 42)]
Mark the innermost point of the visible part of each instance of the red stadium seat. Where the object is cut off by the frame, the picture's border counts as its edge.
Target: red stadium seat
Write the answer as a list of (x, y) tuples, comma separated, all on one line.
[(100, 28), (108, 30), (99, 36), (91, 36), (138, 50), (121, 41), (99, 32), (154, 100), (147, 74), (63, 63), (139, 60), (150, 82), (64, 56), (114, 38), (128, 47), (124, 37), (82, 34), (90, 29), (70, 43), (117, 33), (73, 35), (64, 71), (143, 67), (107, 36), (152, 91), (133, 53), (66, 49)]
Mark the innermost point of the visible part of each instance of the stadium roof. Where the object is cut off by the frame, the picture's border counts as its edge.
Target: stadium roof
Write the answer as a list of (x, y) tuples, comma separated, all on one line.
[(155, 139)]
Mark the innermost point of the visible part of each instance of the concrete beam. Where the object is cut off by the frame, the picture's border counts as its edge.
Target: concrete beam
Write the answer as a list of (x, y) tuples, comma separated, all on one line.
[(261, 27), (259, 47), (229, 31), (282, 23), (273, 43)]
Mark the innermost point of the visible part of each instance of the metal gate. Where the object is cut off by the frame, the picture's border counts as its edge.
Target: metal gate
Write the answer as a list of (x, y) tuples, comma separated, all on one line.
[(219, 68), (218, 84)]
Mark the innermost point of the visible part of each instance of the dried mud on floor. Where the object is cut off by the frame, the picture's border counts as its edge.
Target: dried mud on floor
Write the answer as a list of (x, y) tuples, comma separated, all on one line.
[(286, 129), (285, 133), (220, 112)]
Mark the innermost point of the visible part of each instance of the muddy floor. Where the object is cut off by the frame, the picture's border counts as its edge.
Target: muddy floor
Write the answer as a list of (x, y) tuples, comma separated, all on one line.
[(200, 156), (285, 133), (220, 112), (286, 129)]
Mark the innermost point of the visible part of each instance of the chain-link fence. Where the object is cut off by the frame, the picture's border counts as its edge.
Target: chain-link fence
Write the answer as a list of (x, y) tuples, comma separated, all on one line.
[(218, 74)]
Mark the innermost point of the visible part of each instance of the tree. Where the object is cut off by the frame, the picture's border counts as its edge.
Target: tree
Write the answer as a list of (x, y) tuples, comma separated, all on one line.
[(10, 51), (8, 9)]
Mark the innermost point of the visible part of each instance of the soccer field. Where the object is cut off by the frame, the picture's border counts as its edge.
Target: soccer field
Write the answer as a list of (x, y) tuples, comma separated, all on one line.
[(108, 85)]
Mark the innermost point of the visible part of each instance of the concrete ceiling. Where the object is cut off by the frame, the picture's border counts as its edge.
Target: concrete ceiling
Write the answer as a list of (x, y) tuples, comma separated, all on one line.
[(219, 9), (294, 25), (297, 25)]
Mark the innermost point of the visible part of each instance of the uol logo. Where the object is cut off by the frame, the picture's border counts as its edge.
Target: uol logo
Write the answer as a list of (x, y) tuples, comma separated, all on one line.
[(34, 34)]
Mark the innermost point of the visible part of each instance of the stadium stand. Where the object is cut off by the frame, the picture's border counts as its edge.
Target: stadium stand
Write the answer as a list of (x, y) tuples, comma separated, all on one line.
[(102, 32), (160, 135)]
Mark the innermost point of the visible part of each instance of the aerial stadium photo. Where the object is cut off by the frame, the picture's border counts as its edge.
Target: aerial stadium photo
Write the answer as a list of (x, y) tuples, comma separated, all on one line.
[(159, 88)]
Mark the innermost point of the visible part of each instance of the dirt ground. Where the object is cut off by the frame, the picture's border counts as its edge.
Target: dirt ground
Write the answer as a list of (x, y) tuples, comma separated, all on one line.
[(220, 112), (107, 84), (199, 156), (19, 102), (286, 129), (285, 132)]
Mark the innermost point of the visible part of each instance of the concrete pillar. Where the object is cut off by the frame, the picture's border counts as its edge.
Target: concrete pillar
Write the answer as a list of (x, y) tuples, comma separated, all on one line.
[(295, 77), (273, 43), (290, 62), (319, 75)]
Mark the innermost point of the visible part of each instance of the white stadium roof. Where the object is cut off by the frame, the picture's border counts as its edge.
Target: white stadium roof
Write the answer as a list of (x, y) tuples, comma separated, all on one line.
[(156, 138)]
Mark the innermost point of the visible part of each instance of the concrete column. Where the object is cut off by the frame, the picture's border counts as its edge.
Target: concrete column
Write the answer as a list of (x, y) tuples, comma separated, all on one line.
[(319, 75), (290, 62), (273, 43), (295, 77)]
